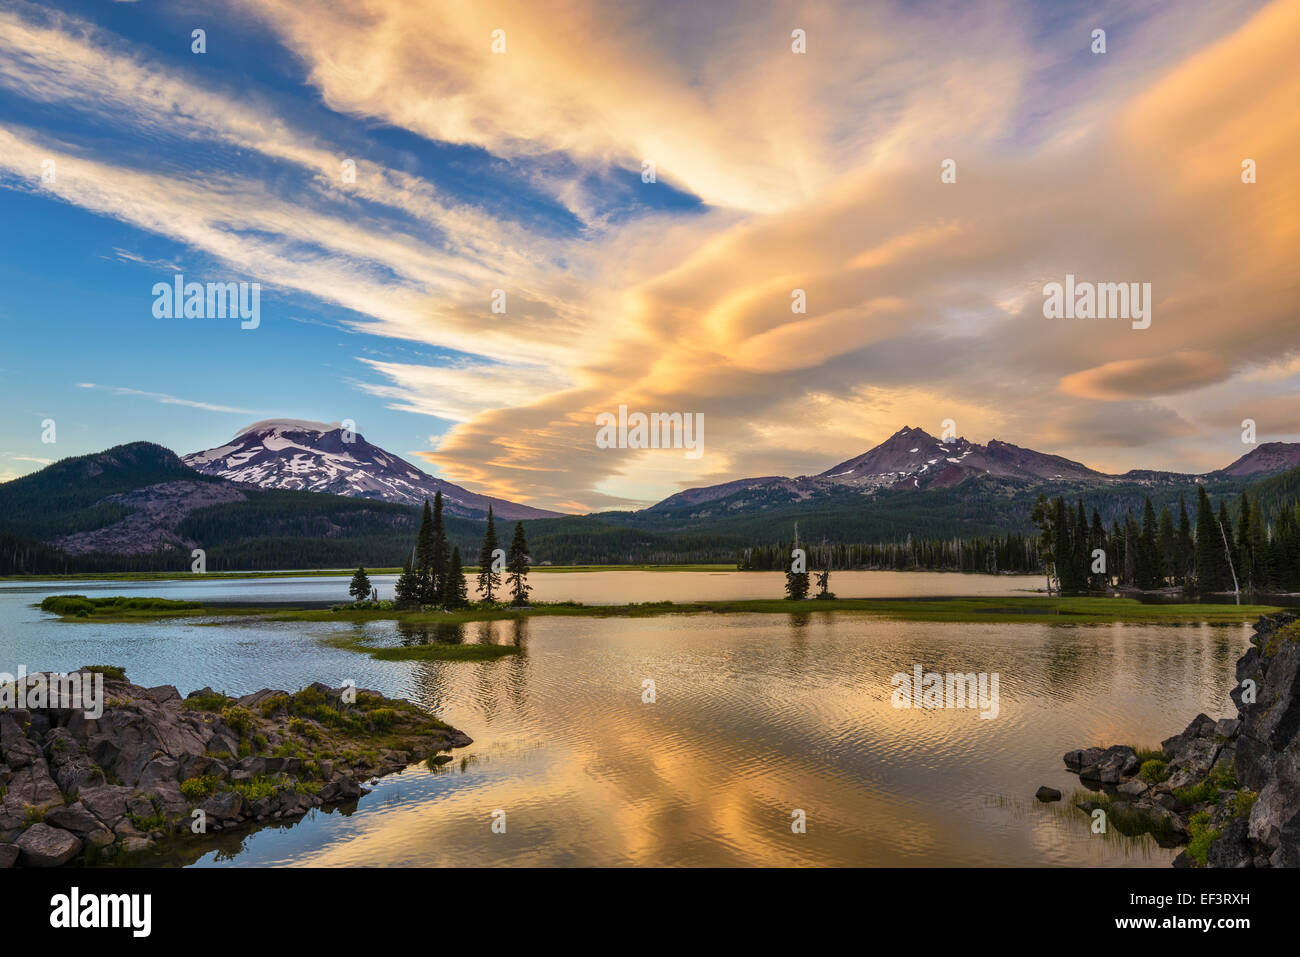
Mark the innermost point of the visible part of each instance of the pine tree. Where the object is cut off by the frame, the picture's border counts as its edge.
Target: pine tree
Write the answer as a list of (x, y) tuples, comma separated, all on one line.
[(438, 567), (1044, 517), (517, 567), (489, 580), (407, 589), (1211, 567), (360, 587), (426, 593), (1232, 562), (1167, 547), (1132, 556), (455, 592), (1246, 540), (1097, 540), (1118, 559), (1148, 548), (1186, 547), (1079, 548)]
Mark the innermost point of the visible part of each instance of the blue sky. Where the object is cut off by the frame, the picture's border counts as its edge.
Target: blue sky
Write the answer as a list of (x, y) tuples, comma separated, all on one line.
[(520, 169), (77, 302)]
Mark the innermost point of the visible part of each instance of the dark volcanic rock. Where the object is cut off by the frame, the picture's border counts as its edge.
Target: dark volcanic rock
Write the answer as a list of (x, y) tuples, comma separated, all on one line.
[(140, 771), (1239, 777), (45, 846)]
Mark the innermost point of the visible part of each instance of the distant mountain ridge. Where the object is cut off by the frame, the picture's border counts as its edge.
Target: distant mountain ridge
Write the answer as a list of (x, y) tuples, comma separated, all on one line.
[(912, 458), (318, 457), (138, 507)]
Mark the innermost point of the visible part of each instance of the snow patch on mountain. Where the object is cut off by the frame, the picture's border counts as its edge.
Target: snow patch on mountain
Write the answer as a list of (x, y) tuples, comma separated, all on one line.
[(307, 456)]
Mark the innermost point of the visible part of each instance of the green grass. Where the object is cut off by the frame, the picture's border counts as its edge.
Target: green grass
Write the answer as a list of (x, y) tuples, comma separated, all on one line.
[(1289, 632), (431, 652), (198, 701), (196, 789), (1198, 848), (255, 788), (1153, 771), (1148, 754), (1126, 819), (1034, 610), (115, 672), (1010, 609), (117, 608)]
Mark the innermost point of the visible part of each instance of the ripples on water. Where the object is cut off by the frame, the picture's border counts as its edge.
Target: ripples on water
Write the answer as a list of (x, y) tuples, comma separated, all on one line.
[(756, 715)]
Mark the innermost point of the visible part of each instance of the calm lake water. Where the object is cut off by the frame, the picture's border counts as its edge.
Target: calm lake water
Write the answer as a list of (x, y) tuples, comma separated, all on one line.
[(756, 716)]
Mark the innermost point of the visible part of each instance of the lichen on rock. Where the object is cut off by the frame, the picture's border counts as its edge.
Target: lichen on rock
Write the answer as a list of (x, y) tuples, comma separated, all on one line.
[(154, 763)]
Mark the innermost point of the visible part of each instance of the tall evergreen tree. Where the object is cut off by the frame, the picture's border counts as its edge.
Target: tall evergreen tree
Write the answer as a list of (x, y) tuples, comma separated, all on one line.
[(1233, 579), (1148, 550), (517, 567), (455, 592), (1079, 547), (488, 579), (1211, 567), (796, 581), (1097, 540), (1044, 517), (441, 553), (1117, 558), (1246, 544), (426, 585), (1132, 552), (1167, 547), (407, 589), (1186, 548), (1063, 548)]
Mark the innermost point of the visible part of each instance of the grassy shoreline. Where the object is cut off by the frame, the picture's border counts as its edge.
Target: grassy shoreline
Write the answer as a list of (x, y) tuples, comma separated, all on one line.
[(1036, 610)]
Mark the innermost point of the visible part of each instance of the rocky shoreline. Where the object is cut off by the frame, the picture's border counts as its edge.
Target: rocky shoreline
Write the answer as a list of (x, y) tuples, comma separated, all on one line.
[(155, 766), (1228, 788)]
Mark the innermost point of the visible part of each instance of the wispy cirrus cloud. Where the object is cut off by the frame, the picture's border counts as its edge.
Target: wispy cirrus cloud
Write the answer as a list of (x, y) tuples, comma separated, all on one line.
[(165, 399), (817, 171)]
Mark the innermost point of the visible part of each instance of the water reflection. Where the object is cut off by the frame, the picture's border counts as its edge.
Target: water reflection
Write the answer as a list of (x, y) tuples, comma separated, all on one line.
[(446, 633), (755, 715)]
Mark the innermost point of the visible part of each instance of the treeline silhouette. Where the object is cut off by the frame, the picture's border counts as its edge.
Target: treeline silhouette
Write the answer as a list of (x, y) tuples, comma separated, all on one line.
[(992, 554), (1247, 548)]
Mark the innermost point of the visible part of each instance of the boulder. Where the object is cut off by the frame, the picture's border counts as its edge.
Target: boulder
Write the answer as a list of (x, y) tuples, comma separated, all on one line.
[(1278, 802), (1134, 787), (107, 802), (1226, 727), (254, 765), (18, 751), (1044, 793), (1192, 762), (1231, 849), (1084, 757), (159, 770), (74, 818), (8, 855), (224, 806), (33, 786), (1115, 764), (44, 846)]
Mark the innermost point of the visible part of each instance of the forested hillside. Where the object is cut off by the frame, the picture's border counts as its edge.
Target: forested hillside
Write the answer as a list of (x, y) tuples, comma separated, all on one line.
[(984, 524)]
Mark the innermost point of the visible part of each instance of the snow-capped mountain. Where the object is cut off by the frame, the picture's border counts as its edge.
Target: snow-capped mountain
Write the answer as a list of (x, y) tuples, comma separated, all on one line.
[(911, 458), (916, 458), (315, 457)]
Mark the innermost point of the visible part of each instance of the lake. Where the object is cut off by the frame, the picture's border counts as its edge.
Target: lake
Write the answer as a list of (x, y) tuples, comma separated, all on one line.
[(756, 716)]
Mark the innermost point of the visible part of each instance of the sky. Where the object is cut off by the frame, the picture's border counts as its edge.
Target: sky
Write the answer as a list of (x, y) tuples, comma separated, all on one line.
[(501, 153)]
